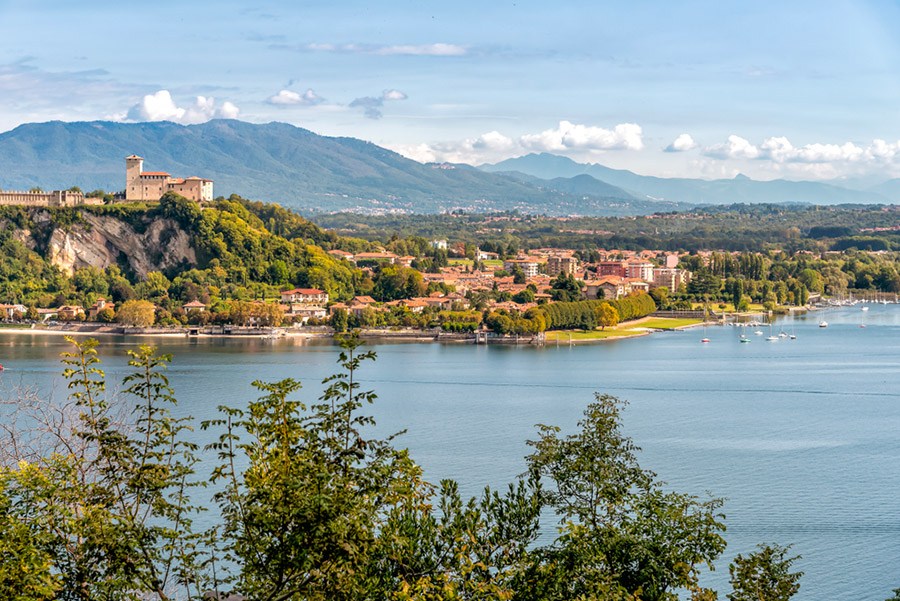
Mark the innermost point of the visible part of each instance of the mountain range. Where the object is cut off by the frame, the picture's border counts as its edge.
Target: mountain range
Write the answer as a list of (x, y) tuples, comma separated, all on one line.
[(740, 189), (299, 169)]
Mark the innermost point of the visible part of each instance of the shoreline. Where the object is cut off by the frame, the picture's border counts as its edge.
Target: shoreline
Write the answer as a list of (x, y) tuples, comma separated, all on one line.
[(633, 329)]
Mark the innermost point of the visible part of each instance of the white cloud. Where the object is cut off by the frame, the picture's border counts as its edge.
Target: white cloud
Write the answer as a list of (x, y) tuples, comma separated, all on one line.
[(570, 136), (735, 148), (437, 49), (393, 95), (682, 143), (289, 97), (423, 50), (162, 107)]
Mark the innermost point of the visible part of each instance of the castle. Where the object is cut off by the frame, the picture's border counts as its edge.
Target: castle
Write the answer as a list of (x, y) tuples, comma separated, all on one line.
[(140, 186), (143, 185)]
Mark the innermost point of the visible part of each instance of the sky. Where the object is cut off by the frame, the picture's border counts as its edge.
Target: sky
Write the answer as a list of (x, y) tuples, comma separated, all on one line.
[(710, 89)]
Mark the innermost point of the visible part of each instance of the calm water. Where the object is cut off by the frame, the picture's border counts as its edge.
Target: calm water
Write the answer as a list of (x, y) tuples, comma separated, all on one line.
[(800, 436)]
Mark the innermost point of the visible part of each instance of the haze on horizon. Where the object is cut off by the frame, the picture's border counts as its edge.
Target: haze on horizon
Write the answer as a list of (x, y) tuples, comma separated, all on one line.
[(692, 89)]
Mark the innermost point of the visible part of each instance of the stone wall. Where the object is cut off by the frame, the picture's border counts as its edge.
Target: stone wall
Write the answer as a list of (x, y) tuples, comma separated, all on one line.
[(56, 198)]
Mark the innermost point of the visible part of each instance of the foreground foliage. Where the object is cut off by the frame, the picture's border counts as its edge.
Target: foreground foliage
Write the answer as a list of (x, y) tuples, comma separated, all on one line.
[(313, 508)]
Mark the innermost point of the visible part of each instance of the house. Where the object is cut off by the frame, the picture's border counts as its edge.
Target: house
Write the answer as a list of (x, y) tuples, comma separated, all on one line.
[(99, 305), (194, 306), (612, 287), (383, 257), (341, 254), (637, 285), (312, 296), (12, 311), (70, 312), (303, 313)]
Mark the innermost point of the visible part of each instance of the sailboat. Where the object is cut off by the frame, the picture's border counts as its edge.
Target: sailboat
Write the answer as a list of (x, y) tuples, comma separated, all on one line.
[(771, 337)]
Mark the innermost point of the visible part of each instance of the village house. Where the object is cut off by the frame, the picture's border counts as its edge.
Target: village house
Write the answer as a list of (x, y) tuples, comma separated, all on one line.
[(612, 287), (310, 296), (70, 312), (15, 311), (380, 257), (302, 313), (341, 254), (100, 304), (194, 306)]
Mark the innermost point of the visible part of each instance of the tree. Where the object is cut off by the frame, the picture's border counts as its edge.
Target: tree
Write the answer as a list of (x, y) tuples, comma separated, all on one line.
[(764, 575), (102, 510), (565, 288), (607, 316), (300, 518), (339, 320), (621, 531), (138, 313)]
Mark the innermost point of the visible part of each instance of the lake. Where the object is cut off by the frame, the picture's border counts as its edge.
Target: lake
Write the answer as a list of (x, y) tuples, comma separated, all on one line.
[(800, 436)]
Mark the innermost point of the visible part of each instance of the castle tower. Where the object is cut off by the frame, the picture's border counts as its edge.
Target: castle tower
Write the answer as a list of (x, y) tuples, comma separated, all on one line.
[(134, 165)]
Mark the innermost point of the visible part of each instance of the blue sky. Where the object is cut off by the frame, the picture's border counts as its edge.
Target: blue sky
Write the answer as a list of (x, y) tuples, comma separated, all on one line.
[(696, 89)]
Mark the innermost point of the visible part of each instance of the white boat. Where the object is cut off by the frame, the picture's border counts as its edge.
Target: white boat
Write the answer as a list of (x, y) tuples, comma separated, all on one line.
[(758, 332), (772, 338), (823, 324), (865, 308)]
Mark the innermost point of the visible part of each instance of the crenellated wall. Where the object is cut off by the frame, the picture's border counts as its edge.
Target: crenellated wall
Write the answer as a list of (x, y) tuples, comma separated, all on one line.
[(56, 198)]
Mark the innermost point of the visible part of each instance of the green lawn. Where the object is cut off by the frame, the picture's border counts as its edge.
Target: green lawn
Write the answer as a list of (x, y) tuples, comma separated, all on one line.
[(624, 330), (667, 323), (567, 335)]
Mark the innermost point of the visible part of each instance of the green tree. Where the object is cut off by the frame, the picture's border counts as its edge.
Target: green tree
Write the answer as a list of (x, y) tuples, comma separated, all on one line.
[(107, 506), (339, 320), (764, 575), (622, 532), (607, 316), (138, 313), (300, 519), (565, 288)]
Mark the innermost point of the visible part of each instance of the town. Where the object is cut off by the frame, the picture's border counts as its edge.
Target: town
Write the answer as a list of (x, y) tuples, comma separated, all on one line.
[(241, 267)]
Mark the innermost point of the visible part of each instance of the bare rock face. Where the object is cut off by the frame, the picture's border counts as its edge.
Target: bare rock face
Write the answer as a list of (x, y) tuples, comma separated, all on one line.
[(103, 241)]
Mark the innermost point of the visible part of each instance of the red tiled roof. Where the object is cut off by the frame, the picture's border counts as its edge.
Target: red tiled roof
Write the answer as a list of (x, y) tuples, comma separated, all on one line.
[(154, 173)]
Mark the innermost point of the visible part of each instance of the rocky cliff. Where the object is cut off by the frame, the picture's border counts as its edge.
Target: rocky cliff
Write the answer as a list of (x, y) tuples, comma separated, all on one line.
[(104, 240)]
